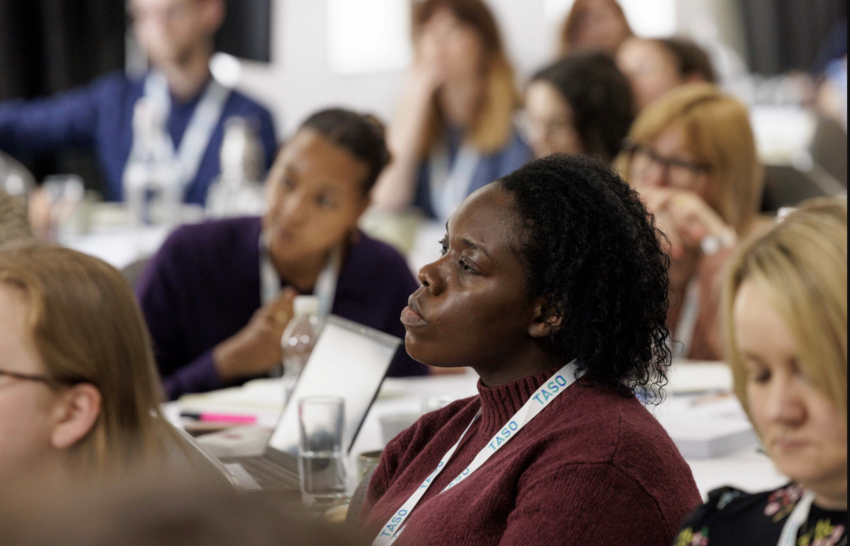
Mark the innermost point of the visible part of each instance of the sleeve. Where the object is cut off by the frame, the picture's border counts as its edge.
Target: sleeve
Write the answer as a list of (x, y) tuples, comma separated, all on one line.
[(585, 504), (67, 120), (164, 310)]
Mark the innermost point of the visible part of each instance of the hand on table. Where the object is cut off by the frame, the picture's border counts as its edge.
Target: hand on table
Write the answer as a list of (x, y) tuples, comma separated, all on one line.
[(256, 349), (685, 218)]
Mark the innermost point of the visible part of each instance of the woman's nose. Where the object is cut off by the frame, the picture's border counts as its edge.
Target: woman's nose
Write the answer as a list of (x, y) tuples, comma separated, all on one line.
[(784, 404), (431, 278)]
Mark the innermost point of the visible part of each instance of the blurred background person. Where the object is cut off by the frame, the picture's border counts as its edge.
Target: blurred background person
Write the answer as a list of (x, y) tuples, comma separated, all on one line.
[(596, 25), (79, 392), (454, 131), (582, 104), (159, 508), (785, 315), (692, 156), (214, 319), (657, 66), (177, 37)]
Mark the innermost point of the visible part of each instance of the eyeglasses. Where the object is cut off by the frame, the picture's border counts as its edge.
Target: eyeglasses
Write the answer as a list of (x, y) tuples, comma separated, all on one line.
[(50, 382), (678, 173)]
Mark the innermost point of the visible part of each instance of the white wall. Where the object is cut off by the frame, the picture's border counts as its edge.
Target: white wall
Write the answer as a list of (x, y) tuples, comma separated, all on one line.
[(299, 80)]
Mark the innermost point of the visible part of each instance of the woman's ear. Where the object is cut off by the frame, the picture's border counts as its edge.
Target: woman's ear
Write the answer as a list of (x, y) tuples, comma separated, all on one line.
[(77, 412), (546, 319)]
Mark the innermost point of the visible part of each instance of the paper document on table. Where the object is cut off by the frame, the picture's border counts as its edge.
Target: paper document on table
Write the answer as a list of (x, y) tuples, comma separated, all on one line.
[(707, 427), (697, 377), (262, 398)]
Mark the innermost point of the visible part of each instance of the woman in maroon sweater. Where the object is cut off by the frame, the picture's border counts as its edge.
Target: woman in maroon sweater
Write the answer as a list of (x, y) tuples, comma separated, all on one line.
[(550, 276)]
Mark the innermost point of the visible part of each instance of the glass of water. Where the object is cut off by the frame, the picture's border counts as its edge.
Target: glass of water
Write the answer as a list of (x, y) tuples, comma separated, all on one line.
[(321, 455)]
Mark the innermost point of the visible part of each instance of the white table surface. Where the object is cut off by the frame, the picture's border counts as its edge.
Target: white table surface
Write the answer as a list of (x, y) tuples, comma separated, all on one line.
[(747, 469)]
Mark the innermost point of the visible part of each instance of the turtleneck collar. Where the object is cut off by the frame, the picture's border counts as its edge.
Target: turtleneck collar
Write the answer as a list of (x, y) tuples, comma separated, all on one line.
[(499, 404)]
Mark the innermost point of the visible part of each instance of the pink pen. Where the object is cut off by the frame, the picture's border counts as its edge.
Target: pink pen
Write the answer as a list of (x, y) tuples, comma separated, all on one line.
[(221, 418)]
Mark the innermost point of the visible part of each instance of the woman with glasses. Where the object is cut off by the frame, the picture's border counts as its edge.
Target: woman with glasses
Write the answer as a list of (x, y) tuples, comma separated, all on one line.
[(79, 392), (692, 156), (581, 105), (785, 317)]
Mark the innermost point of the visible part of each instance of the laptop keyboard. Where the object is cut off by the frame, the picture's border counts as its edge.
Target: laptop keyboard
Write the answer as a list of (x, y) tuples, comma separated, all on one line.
[(268, 474)]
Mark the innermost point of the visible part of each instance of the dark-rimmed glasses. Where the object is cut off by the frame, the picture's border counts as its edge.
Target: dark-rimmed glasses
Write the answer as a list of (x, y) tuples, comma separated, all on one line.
[(679, 173)]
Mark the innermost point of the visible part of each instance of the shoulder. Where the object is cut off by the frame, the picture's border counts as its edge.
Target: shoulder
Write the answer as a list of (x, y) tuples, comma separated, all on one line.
[(515, 152), (232, 236), (373, 260), (729, 509), (241, 103), (115, 84)]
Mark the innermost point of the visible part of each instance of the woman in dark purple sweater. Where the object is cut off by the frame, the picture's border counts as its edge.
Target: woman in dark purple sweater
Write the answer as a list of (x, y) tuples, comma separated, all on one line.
[(553, 287), (216, 320)]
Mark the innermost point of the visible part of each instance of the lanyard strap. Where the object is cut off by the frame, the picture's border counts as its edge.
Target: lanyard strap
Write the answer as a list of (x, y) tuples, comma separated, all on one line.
[(544, 396), (325, 288), (449, 185), (688, 319), (201, 127), (796, 520)]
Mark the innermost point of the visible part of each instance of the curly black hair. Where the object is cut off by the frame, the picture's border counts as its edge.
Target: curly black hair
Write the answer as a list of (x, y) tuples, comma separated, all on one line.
[(363, 135), (591, 248), (600, 97)]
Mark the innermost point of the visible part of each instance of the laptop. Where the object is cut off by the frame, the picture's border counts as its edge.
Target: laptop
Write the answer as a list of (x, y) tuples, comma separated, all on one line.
[(346, 354)]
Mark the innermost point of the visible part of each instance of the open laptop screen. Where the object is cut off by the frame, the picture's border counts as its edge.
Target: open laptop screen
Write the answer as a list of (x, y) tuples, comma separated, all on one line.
[(349, 361)]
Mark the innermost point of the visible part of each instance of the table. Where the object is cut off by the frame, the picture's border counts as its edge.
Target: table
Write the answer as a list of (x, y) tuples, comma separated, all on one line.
[(747, 469)]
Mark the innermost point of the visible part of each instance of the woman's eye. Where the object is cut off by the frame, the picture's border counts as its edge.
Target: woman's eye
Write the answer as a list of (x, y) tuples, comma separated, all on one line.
[(444, 247), (466, 266), (287, 184), (761, 377), (326, 202)]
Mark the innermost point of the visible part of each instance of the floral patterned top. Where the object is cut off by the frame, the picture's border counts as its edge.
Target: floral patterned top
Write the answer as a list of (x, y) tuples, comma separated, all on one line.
[(734, 518)]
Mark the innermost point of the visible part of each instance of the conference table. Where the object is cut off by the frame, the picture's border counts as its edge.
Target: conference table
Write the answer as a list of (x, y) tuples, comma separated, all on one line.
[(698, 399)]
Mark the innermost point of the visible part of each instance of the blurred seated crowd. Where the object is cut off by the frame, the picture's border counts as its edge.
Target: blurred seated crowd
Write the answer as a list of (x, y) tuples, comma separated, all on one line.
[(602, 222)]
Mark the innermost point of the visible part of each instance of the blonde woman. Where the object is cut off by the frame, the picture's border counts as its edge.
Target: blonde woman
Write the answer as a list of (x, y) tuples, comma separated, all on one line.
[(692, 156), (454, 132), (785, 315), (79, 390)]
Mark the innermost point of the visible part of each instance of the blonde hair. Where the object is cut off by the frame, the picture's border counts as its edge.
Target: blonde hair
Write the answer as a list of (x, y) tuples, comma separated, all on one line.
[(492, 129), (88, 329), (717, 131), (800, 266)]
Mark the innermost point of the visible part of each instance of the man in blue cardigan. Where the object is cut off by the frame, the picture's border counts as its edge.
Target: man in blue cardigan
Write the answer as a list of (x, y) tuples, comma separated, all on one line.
[(177, 36)]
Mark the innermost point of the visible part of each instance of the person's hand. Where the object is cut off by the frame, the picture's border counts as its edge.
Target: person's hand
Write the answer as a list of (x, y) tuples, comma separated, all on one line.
[(422, 82), (686, 219), (256, 349)]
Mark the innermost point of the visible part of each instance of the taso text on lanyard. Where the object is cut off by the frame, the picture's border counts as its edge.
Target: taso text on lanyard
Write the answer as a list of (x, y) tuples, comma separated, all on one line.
[(544, 396)]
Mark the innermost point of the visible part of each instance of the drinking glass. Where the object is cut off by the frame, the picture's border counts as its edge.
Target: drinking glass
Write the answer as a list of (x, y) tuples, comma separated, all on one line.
[(321, 456)]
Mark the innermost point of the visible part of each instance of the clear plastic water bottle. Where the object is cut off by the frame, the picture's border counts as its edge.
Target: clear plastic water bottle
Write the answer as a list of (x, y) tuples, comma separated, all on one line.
[(299, 338), (151, 185), (238, 191)]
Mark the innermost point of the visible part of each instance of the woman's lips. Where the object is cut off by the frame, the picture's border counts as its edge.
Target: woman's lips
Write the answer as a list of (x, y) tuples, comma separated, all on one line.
[(411, 318), (783, 444)]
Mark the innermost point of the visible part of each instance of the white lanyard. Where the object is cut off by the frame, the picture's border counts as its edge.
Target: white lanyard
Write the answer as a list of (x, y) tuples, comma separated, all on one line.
[(325, 288), (688, 319), (796, 520), (544, 396), (201, 127), (449, 186)]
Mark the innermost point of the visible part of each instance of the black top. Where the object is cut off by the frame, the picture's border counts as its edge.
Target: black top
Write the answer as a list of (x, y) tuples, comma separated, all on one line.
[(734, 518)]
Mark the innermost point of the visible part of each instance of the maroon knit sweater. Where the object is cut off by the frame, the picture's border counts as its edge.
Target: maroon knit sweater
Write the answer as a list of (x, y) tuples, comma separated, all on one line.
[(594, 468)]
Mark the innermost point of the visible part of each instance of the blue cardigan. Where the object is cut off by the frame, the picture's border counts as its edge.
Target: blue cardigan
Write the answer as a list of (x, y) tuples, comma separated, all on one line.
[(100, 118), (204, 286)]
